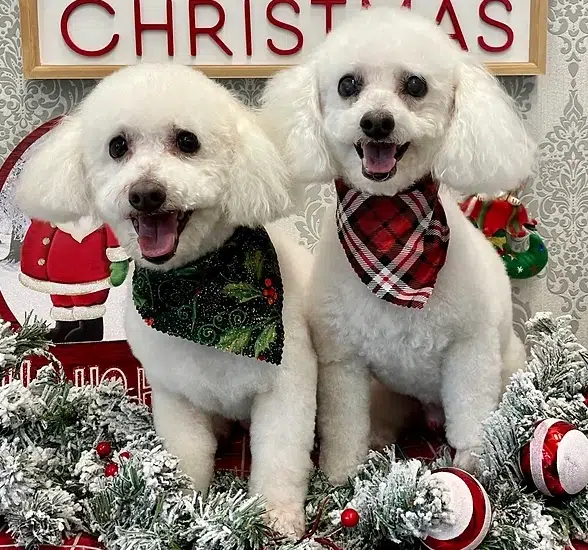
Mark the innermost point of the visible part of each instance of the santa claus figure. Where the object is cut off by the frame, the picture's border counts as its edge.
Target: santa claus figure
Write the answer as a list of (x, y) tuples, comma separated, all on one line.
[(76, 264)]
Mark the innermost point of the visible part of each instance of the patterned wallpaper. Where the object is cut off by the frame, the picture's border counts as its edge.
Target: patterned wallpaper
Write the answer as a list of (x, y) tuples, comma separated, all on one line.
[(555, 108)]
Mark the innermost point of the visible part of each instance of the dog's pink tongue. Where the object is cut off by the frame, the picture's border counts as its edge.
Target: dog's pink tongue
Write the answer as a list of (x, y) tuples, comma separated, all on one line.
[(158, 234), (378, 158)]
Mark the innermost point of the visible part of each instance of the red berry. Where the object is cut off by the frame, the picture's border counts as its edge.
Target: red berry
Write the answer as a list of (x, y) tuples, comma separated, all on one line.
[(111, 470), (104, 448), (268, 282), (125, 454), (349, 518), (265, 292)]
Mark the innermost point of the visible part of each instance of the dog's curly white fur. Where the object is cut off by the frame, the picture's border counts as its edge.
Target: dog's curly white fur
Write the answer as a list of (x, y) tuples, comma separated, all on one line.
[(460, 349), (235, 178)]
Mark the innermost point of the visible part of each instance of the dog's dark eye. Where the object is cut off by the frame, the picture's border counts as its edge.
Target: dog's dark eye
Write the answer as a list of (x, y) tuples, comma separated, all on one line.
[(118, 147), (187, 142), (415, 86), (349, 86)]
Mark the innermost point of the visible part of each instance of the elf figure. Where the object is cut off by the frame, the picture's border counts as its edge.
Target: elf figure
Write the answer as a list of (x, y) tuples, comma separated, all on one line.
[(505, 222), (76, 264)]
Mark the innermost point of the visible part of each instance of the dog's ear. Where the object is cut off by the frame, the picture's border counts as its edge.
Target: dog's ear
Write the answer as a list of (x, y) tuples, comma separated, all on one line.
[(291, 114), (258, 189), (52, 185), (486, 148)]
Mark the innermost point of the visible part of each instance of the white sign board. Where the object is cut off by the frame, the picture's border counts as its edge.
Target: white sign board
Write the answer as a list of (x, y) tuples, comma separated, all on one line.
[(90, 38)]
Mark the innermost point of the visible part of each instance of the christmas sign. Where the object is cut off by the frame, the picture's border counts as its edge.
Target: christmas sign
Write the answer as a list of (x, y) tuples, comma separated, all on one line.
[(253, 38)]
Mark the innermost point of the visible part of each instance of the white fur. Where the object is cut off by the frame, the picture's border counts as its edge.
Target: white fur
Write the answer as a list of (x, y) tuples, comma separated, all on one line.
[(460, 350), (465, 130), (236, 178)]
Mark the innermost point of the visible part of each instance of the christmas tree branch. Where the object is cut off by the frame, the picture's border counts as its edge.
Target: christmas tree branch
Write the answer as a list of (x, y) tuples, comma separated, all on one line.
[(54, 482), (31, 339)]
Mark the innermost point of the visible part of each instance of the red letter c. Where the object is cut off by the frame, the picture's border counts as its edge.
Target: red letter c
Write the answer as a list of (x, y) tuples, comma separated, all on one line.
[(67, 37)]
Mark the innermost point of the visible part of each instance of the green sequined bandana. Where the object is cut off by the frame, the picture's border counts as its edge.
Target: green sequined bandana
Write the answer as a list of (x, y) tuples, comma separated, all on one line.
[(230, 299)]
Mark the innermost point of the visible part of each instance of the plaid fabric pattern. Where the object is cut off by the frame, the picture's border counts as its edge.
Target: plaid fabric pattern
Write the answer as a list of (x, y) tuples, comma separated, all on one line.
[(396, 245)]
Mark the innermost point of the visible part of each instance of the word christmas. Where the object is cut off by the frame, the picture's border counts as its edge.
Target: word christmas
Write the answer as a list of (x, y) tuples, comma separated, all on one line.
[(253, 32)]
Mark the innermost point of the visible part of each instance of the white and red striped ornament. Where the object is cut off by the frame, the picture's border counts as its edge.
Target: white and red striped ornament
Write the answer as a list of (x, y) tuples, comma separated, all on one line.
[(577, 545), (471, 509), (555, 461)]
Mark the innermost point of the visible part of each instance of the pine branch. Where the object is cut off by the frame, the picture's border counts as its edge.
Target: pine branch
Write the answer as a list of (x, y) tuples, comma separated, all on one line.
[(33, 335), (31, 339), (52, 482)]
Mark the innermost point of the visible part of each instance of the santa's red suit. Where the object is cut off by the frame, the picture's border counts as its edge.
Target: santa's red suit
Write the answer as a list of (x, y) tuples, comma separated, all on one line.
[(71, 263)]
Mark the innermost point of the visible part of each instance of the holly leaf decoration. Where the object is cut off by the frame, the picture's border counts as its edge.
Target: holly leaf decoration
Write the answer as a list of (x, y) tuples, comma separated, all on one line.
[(265, 339), (188, 271), (241, 291), (139, 298), (254, 263), (235, 340)]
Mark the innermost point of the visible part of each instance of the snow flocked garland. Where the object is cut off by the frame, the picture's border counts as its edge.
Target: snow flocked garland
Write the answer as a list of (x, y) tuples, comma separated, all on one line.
[(76, 459)]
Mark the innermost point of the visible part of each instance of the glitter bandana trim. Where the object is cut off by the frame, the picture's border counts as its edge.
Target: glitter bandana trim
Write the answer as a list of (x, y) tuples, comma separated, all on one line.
[(397, 245), (230, 299)]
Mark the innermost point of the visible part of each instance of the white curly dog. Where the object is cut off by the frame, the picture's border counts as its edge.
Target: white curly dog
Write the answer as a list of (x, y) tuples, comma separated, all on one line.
[(387, 100), (174, 163)]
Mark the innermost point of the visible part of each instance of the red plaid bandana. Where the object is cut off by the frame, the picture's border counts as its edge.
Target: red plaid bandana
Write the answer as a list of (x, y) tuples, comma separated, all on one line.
[(396, 245)]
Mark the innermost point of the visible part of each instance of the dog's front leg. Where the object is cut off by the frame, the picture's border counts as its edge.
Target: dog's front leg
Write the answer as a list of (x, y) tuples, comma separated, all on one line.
[(471, 387), (188, 433), (344, 417), (282, 437)]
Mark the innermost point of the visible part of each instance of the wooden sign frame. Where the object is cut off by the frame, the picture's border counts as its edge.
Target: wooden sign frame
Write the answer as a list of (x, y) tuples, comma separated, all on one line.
[(34, 69)]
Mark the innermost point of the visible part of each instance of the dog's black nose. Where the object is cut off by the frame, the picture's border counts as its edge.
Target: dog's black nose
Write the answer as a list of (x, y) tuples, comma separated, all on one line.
[(147, 196), (377, 124)]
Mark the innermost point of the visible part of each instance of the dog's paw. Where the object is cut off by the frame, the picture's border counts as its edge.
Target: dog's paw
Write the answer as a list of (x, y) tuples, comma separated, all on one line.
[(468, 460), (287, 520), (337, 473)]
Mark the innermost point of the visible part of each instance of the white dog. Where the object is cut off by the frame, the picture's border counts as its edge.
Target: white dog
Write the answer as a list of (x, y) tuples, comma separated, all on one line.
[(175, 165), (391, 107)]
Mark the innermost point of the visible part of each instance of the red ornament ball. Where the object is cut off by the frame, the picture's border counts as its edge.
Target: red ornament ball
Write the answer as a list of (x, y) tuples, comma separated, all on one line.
[(349, 518), (577, 545), (125, 455), (471, 510), (104, 448), (554, 461), (111, 470)]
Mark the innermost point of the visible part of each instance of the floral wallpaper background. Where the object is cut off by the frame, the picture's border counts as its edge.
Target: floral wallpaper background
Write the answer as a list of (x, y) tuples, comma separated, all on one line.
[(555, 108)]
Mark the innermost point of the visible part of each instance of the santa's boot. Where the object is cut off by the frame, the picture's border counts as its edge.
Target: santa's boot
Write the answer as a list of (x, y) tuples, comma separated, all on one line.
[(59, 333), (91, 330)]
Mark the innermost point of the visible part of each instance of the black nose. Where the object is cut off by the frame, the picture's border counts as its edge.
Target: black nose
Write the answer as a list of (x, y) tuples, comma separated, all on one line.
[(147, 196), (377, 124)]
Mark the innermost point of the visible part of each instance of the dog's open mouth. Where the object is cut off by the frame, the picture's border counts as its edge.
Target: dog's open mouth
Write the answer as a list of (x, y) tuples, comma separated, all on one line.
[(159, 233), (380, 158)]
